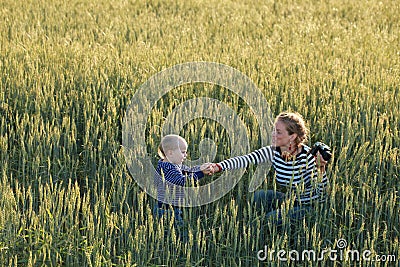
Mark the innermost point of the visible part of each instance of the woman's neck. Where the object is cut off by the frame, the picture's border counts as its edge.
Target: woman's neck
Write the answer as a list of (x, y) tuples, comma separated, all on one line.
[(289, 154)]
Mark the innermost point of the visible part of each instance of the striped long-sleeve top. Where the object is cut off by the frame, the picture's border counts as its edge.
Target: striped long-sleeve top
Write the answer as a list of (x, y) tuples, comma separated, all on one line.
[(299, 175), (170, 180)]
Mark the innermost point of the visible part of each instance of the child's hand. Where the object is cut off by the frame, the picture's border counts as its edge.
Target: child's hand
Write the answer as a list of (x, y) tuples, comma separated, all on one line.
[(210, 168), (207, 168)]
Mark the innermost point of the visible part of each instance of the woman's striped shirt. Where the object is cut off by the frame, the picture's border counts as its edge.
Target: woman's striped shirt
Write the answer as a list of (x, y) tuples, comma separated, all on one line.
[(299, 175)]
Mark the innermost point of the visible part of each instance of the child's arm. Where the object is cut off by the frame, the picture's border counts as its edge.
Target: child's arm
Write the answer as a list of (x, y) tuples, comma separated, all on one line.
[(173, 174), (195, 172)]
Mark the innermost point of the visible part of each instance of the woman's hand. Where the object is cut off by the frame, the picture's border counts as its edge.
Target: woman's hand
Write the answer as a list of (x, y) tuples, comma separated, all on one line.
[(321, 163), (216, 168)]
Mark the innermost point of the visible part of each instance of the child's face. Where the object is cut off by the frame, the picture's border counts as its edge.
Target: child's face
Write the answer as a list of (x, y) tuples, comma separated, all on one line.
[(177, 155)]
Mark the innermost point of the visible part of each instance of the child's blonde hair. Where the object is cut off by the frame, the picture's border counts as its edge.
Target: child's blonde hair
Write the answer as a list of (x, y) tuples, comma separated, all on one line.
[(169, 142)]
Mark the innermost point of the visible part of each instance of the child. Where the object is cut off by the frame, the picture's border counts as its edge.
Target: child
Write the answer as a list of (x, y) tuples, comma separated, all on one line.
[(171, 175)]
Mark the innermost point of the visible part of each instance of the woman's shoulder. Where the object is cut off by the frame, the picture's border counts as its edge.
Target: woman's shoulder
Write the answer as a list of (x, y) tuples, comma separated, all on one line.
[(267, 148), (305, 148)]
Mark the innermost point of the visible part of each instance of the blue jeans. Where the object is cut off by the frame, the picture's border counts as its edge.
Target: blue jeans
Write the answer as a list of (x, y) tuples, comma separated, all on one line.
[(172, 213), (271, 201)]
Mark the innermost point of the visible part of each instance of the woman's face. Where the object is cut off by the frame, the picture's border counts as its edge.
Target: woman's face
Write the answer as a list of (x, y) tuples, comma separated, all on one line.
[(280, 135)]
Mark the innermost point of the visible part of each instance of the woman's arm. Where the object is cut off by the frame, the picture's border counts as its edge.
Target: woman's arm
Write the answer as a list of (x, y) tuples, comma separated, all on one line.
[(261, 155)]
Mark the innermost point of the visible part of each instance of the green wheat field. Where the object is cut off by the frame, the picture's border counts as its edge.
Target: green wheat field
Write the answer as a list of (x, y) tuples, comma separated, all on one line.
[(70, 68)]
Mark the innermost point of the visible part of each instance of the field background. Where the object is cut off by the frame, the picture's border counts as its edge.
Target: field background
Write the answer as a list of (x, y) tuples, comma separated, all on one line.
[(69, 69)]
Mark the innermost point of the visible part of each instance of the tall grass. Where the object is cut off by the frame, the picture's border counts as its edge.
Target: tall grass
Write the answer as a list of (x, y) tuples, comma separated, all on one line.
[(69, 70)]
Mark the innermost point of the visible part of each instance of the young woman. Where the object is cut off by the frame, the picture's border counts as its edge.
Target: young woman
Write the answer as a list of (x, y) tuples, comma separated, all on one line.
[(301, 173)]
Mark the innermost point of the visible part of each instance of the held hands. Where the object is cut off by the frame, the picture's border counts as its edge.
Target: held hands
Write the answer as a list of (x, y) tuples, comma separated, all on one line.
[(206, 168), (210, 168)]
